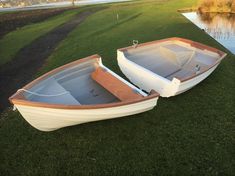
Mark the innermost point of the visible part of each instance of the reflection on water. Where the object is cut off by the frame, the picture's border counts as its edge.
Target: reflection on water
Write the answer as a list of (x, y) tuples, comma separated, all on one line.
[(220, 26)]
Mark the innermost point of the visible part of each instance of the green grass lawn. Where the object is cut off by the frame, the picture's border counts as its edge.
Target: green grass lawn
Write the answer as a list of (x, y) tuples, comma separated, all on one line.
[(11, 43), (190, 134)]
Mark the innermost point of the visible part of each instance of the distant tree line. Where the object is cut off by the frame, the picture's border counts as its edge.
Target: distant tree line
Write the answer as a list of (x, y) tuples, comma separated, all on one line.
[(217, 5), (13, 3)]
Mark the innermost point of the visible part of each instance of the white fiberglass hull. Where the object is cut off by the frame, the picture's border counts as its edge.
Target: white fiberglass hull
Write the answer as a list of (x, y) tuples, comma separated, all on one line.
[(88, 91), (147, 80), (49, 119)]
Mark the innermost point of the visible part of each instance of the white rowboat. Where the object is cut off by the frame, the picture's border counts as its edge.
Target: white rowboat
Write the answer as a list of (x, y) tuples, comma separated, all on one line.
[(170, 66), (79, 92)]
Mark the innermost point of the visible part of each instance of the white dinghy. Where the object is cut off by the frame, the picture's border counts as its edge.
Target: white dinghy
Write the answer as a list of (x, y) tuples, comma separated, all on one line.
[(79, 92), (170, 66)]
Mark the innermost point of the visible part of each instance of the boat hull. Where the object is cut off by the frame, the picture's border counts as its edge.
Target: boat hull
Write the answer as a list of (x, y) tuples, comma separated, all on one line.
[(46, 115), (50, 119), (147, 80)]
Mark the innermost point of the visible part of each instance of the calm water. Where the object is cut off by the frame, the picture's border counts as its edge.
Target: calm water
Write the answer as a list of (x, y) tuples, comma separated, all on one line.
[(219, 26)]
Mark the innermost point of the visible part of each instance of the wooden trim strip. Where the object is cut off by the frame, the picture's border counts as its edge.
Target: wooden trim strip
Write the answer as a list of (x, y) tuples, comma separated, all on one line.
[(201, 46), (75, 107), (192, 43), (19, 99)]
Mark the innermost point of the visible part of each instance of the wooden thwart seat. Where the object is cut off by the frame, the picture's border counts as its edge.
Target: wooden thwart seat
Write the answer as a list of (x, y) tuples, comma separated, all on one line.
[(119, 89)]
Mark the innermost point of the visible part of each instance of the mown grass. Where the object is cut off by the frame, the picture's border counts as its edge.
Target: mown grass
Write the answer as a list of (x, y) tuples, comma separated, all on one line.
[(11, 43), (190, 134)]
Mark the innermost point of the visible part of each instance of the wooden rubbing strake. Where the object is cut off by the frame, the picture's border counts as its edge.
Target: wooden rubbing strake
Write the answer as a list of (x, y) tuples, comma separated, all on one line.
[(119, 89)]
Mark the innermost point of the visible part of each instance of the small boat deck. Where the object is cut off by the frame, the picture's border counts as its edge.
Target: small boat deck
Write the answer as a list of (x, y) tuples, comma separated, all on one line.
[(171, 60)]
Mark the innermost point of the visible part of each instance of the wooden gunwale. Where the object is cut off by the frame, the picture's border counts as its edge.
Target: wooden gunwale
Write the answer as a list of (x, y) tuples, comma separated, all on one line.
[(192, 43), (19, 99)]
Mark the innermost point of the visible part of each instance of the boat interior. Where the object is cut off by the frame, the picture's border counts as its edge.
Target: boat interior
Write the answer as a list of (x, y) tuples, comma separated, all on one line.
[(171, 59), (83, 84)]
